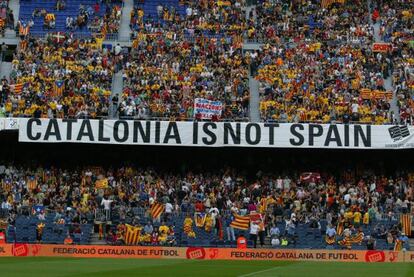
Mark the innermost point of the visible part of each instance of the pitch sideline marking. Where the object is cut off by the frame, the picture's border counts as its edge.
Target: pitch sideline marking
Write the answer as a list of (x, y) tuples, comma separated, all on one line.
[(260, 271)]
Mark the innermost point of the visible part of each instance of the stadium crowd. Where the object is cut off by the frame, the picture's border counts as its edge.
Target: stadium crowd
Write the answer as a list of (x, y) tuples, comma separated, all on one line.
[(177, 58), (318, 64), (396, 21), (347, 200), (59, 77)]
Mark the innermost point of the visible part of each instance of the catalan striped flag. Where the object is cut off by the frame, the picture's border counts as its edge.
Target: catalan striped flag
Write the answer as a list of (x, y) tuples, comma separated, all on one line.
[(132, 234), (327, 3), (330, 240), (358, 238), (406, 221), (6, 185), (18, 88), (200, 219), (240, 222), (31, 183), (340, 228), (157, 209), (24, 29), (398, 245), (347, 242), (101, 184), (263, 205), (59, 86)]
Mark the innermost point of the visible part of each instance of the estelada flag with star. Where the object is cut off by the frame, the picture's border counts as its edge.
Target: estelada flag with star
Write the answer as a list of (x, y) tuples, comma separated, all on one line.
[(58, 87)]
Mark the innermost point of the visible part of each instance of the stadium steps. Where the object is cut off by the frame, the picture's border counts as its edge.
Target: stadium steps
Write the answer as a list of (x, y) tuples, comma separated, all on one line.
[(117, 87), (254, 99), (96, 241), (124, 29), (388, 85), (5, 69)]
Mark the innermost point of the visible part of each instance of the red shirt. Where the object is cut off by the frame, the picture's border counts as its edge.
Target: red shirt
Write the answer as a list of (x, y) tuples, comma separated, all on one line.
[(199, 207)]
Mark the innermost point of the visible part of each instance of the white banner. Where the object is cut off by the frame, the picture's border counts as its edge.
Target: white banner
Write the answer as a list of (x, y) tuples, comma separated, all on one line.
[(216, 134), (207, 108)]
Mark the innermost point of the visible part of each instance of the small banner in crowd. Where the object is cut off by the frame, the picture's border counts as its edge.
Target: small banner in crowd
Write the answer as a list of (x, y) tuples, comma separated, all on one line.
[(240, 222), (381, 47), (156, 210), (101, 184), (406, 221), (310, 177), (207, 109), (132, 234), (200, 219)]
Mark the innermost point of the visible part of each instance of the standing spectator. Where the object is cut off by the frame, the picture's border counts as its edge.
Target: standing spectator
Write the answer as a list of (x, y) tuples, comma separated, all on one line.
[(254, 231)]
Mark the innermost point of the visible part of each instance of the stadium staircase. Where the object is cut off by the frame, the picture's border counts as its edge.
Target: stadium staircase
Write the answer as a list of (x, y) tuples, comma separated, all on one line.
[(254, 99), (117, 88), (388, 83), (15, 7), (5, 68), (125, 30)]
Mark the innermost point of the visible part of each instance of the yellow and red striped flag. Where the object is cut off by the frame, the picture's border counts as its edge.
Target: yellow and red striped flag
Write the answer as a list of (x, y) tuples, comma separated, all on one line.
[(6, 185), (132, 234), (200, 219), (406, 221), (101, 184), (157, 209), (398, 245), (18, 88), (240, 222), (58, 87), (31, 183)]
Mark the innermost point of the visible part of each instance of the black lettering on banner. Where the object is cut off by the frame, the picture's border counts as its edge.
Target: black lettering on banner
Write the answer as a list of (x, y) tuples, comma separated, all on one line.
[(125, 135), (333, 129), (211, 134), (172, 126), (29, 129), (298, 135), (313, 134), (235, 136), (195, 133), (69, 123), (271, 127), (346, 134), (365, 137), (86, 124), (101, 131), (157, 131), (53, 124), (258, 135), (145, 135)]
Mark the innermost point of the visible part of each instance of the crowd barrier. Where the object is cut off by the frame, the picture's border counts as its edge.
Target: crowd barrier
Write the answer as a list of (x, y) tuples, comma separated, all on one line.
[(143, 252)]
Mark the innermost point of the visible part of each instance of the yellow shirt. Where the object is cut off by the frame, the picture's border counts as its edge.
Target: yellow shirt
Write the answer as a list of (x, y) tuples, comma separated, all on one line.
[(357, 217)]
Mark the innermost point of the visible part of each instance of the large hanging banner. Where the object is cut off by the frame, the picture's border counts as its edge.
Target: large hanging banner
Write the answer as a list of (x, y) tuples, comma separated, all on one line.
[(148, 252), (216, 134)]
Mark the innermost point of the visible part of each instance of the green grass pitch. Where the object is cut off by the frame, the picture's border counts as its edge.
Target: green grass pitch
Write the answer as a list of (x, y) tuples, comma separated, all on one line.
[(46, 267)]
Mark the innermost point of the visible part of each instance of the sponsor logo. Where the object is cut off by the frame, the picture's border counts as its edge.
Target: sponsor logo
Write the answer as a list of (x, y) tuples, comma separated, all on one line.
[(398, 132), (195, 253), (20, 250), (374, 256)]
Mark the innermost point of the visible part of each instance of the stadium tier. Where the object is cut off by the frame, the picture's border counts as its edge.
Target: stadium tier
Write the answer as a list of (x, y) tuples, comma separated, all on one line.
[(273, 61), (266, 112)]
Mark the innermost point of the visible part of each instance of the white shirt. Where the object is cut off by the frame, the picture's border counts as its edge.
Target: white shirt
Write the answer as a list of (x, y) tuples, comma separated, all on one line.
[(168, 208), (106, 203), (254, 229)]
